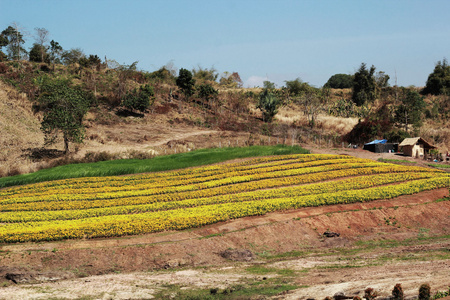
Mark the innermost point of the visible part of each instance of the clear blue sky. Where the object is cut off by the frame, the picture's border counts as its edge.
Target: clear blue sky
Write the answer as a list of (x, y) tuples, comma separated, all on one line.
[(273, 40)]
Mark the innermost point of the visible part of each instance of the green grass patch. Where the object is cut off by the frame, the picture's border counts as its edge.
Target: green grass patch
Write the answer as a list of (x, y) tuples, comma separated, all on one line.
[(444, 166), (369, 245), (249, 290), (388, 160), (290, 254), (156, 164)]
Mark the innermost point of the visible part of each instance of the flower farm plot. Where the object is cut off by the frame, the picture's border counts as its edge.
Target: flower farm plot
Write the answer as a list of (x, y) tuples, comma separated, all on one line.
[(116, 206)]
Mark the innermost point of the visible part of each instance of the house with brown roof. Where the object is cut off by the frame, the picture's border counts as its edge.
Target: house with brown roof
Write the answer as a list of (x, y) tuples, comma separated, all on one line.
[(416, 147)]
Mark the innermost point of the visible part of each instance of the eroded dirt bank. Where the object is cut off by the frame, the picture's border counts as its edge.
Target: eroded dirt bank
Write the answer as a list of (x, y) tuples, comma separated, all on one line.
[(400, 219)]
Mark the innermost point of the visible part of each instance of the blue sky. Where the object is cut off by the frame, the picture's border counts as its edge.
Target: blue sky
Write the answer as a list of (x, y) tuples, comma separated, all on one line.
[(273, 40)]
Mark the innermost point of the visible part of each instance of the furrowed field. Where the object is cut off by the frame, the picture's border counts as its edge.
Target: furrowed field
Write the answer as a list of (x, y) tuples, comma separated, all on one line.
[(175, 200)]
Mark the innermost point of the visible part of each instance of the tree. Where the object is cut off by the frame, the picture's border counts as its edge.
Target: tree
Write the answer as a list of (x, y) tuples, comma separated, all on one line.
[(55, 53), (207, 91), (3, 42), (340, 81), (72, 56), (64, 107), (163, 75), (185, 82), (382, 79), (93, 61), (139, 99), (231, 80), (438, 82), (268, 104), (41, 38), (268, 85), (201, 74), (36, 53), (297, 87), (410, 110), (364, 87), (15, 42)]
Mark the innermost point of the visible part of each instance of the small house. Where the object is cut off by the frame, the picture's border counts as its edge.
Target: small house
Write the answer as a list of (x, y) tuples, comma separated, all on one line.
[(416, 147), (381, 146)]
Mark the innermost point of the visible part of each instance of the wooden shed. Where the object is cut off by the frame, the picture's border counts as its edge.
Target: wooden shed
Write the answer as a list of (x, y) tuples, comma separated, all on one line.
[(415, 147)]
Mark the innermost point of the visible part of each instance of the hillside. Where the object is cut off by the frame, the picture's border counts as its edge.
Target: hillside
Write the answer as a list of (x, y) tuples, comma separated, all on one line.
[(174, 123), (20, 130)]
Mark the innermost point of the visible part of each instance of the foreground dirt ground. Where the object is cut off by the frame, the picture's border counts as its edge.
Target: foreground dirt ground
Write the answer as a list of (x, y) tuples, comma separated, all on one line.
[(381, 243)]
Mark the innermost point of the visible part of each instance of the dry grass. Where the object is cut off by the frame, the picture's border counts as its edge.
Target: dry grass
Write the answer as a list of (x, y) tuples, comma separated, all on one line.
[(437, 132), (19, 128), (328, 124)]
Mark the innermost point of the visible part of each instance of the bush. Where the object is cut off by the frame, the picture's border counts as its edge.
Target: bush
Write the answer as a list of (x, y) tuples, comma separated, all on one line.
[(397, 292), (424, 292), (340, 81), (370, 294), (138, 99), (3, 68), (268, 104)]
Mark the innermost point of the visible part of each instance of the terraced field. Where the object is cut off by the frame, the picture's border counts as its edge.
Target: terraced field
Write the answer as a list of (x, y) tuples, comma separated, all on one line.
[(128, 205)]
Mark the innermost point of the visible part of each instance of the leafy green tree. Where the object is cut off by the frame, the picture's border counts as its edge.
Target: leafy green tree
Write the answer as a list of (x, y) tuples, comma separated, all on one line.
[(3, 42), (231, 80), (72, 56), (163, 75), (64, 107), (364, 87), (340, 81), (139, 99), (15, 42), (438, 82), (207, 91), (268, 85), (268, 104), (55, 53), (186, 82), (38, 53), (382, 79), (93, 61), (410, 110), (297, 87), (203, 75)]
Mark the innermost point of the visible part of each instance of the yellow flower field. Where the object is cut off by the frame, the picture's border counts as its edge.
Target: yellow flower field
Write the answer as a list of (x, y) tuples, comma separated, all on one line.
[(125, 205)]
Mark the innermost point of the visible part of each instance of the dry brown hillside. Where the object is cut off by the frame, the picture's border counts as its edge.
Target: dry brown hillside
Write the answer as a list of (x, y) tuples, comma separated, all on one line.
[(171, 125), (20, 130)]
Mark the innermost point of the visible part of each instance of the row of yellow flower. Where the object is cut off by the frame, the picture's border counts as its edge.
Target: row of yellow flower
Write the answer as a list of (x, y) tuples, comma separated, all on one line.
[(212, 183), (197, 175), (196, 191), (293, 191), (119, 225), (198, 171)]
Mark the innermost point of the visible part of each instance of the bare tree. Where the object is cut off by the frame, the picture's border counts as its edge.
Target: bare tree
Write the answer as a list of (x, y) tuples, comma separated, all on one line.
[(42, 37)]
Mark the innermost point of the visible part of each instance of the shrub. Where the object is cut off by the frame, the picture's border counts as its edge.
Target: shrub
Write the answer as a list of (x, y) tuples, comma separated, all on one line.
[(268, 104), (397, 292), (139, 99), (370, 294), (3, 68), (424, 292)]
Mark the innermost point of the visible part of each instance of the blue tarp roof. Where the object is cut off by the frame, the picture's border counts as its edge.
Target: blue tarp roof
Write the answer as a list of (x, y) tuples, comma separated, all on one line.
[(377, 142)]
